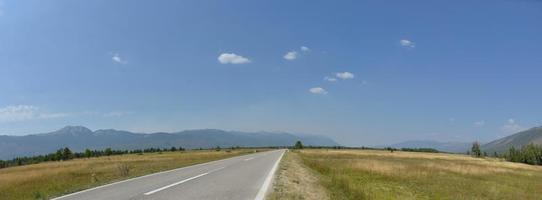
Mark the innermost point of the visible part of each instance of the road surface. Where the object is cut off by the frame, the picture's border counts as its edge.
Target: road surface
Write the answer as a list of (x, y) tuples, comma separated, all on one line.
[(241, 177)]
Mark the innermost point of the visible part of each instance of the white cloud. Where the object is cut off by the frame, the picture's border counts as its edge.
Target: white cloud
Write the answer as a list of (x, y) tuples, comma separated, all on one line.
[(511, 127), (480, 123), (305, 49), (344, 75), (26, 112), (231, 58), (407, 43), (116, 114), (318, 90), (292, 55), (330, 79), (116, 58)]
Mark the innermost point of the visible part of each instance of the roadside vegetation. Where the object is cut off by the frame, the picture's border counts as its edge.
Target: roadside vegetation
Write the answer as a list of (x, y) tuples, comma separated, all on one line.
[(49, 179), (294, 181), (377, 174)]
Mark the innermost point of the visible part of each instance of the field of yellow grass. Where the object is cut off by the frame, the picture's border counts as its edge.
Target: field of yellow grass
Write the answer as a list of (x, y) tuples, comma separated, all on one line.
[(372, 174), (46, 180)]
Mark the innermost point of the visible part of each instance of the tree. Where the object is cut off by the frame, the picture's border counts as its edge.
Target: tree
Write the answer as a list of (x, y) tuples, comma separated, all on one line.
[(218, 148), (108, 152), (476, 152), (58, 155), (173, 149), (66, 154), (88, 153), (298, 145)]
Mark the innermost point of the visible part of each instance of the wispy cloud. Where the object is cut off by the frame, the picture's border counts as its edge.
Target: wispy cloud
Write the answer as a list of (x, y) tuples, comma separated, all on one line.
[(318, 90), (292, 55), (511, 127), (231, 58), (117, 59), (407, 43), (14, 113), (344, 75), (330, 79), (305, 49), (479, 123), (116, 114)]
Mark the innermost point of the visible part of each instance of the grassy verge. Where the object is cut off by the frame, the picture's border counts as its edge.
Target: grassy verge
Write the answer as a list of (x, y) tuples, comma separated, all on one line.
[(369, 174), (294, 181), (47, 180)]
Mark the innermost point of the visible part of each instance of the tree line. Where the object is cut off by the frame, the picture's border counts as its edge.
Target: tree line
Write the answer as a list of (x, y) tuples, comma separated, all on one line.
[(529, 154), (66, 154)]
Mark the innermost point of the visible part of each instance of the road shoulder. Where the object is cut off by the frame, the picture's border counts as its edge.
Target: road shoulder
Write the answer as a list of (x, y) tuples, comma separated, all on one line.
[(296, 181)]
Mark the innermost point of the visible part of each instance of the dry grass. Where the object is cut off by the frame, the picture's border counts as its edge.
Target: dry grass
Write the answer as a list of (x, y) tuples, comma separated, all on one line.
[(369, 174), (46, 180), (295, 181)]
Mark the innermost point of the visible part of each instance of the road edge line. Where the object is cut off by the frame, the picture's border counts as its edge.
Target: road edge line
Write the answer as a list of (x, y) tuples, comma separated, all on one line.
[(265, 187)]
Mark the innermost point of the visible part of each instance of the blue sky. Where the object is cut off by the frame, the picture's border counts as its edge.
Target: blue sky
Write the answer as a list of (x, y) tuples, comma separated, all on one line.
[(361, 72)]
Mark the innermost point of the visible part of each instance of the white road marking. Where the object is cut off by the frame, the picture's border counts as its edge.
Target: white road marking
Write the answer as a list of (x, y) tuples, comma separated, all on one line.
[(132, 179), (249, 159), (268, 179), (183, 181), (174, 184)]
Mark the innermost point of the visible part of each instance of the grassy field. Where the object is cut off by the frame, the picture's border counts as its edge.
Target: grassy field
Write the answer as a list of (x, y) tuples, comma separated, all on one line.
[(46, 180), (370, 174)]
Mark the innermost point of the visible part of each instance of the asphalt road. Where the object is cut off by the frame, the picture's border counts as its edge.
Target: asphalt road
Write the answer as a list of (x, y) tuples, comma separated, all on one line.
[(241, 177)]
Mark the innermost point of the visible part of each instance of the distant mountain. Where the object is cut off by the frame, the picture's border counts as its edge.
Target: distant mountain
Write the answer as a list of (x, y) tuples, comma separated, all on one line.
[(452, 147), (533, 135), (79, 138)]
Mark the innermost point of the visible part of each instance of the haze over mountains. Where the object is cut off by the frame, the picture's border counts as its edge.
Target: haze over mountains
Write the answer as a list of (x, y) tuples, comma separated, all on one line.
[(502, 145), (79, 138)]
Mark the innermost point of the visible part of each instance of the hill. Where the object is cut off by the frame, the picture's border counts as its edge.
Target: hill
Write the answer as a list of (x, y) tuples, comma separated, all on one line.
[(453, 147), (79, 138), (533, 135)]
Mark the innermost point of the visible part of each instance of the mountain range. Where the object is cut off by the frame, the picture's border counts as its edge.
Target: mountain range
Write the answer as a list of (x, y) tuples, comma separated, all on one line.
[(79, 138), (502, 145), (533, 135)]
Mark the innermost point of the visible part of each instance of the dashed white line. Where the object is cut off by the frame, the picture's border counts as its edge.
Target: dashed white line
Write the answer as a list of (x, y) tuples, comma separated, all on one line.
[(183, 181), (148, 175), (249, 159), (174, 184)]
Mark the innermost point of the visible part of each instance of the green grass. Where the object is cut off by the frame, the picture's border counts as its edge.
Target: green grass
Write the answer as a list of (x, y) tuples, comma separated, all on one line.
[(365, 174), (50, 179)]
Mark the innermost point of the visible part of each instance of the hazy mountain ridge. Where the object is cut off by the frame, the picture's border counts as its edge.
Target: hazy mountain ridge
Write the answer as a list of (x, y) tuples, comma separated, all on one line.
[(453, 147), (79, 138), (517, 140)]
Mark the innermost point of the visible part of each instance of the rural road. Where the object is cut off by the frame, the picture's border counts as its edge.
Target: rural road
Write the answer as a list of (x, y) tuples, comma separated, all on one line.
[(241, 177)]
